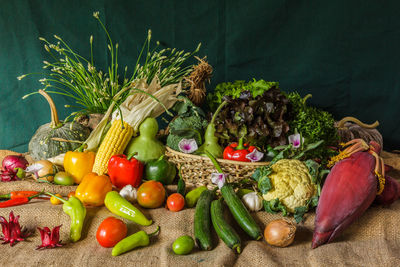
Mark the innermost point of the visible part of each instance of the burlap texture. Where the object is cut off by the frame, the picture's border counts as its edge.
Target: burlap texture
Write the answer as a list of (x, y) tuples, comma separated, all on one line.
[(373, 240)]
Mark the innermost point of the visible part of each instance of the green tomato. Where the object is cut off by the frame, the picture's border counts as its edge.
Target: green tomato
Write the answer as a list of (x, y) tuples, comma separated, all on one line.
[(183, 245), (63, 178)]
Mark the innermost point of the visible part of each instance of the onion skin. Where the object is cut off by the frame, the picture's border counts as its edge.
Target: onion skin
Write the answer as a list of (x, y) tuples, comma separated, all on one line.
[(11, 162), (10, 166), (280, 233), (47, 172)]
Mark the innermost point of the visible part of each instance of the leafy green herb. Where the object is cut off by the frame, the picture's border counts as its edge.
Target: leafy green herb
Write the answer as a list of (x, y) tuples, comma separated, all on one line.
[(274, 206), (314, 124)]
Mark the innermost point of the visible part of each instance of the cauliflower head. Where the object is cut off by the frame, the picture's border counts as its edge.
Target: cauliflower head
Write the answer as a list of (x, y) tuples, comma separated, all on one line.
[(291, 183)]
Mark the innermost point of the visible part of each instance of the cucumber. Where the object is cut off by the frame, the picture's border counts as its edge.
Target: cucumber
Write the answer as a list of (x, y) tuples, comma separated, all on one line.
[(223, 229), (240, 213), (202, 220)]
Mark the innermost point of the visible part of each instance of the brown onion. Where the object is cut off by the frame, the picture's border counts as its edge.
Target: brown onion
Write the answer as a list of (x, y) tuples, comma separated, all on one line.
[(280, 233)]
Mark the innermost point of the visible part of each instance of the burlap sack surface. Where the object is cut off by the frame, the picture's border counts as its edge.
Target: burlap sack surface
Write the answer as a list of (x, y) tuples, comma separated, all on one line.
[(373, 240)]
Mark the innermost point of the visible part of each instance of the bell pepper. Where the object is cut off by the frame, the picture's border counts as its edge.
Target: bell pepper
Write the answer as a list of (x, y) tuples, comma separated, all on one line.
[(237, 151), (161, 170), (78, 164), (93, 189), (125, 170), (74, 208)]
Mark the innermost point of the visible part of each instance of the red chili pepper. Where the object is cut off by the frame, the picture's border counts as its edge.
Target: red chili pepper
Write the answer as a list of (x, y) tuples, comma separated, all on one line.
[(17, 201), (18, 194), (237, 151), (125, 170)]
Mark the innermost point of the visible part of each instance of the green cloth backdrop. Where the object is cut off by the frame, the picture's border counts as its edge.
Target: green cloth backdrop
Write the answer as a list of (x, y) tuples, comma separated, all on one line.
[(345, 53)]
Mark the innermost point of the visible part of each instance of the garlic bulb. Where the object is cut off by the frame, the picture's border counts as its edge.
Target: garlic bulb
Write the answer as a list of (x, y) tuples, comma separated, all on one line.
[(253, 201), (129, 193)]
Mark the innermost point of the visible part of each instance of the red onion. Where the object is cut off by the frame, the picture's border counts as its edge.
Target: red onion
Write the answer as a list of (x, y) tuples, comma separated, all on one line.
[(11, 164)]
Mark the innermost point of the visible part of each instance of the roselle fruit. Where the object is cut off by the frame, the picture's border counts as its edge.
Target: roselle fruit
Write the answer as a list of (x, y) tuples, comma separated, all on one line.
[(12, 232), (50, 239)]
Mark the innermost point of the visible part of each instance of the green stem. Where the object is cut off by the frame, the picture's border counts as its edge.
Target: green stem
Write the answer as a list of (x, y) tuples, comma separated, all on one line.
[(217, 111), (214, 161), (59, 198), (131, 155), (155, 232), (306, 98), (240, 145), (38, 194)]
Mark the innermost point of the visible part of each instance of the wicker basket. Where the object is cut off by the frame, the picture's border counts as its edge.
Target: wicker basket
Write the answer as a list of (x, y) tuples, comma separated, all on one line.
[(196, 170)]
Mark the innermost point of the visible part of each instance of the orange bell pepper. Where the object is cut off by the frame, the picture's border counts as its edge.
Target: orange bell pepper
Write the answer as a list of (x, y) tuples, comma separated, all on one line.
[(78, 164), (93, 189)]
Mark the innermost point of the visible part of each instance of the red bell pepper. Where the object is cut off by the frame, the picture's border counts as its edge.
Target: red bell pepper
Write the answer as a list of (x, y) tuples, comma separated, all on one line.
[(125, 170), (237, 151)]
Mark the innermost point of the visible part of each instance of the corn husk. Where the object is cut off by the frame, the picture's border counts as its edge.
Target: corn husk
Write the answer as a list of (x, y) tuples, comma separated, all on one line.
[(145, 101), (139, 106)]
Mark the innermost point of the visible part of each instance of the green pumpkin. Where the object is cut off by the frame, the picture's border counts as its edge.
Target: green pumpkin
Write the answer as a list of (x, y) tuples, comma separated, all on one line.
[(56, 137)]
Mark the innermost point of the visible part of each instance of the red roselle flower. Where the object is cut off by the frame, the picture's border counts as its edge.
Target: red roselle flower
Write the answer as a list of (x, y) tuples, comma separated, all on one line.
[(50, 239), (12, 232), (8, 176)]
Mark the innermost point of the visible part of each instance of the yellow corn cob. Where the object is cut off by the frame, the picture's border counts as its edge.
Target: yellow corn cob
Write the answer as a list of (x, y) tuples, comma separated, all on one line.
[(114, 143)]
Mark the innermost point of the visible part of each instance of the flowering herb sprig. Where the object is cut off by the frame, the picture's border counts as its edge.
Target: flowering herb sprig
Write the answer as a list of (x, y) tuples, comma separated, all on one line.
[(93, 90)]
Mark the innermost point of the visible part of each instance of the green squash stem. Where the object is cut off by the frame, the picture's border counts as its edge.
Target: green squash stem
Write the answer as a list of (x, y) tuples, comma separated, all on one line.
[(55, 122)]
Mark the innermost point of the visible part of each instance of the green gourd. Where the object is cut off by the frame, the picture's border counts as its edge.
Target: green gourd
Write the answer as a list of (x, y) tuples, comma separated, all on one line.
[(146, 147), (56, 137), (210, 140)]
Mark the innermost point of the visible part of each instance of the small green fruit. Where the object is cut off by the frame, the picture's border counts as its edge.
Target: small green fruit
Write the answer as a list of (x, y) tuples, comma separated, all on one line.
[(183, 245), (63, 178)]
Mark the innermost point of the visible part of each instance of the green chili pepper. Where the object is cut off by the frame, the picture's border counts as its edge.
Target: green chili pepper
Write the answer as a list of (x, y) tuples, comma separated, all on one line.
[(139, 239), (122, 207), (74, 208), (210, 140)]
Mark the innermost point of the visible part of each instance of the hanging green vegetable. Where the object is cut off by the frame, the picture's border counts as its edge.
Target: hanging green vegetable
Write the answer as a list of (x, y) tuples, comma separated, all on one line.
[(210, 140)]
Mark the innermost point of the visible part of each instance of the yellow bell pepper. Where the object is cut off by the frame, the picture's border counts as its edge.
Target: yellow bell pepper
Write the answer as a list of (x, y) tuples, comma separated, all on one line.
[(78, 164), (93, 189)]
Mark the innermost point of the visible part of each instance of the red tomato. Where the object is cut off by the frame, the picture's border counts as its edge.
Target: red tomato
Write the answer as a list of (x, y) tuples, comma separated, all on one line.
[(110, 232), (151, 194), (70, 194), (175, 202)]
